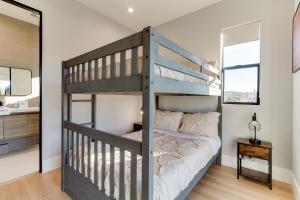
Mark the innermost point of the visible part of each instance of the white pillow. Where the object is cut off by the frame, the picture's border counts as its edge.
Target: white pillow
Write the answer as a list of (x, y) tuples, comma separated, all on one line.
[(201, 123), (166, 120)]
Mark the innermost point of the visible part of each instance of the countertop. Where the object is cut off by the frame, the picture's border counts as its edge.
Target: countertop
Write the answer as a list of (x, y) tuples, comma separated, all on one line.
[(19, 111)]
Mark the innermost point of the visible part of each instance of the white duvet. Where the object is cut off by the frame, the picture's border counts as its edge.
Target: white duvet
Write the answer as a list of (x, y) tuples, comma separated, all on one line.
[(178, 157)]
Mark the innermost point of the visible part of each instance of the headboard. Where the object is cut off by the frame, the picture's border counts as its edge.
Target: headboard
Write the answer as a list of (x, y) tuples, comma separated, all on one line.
[(192, 104)]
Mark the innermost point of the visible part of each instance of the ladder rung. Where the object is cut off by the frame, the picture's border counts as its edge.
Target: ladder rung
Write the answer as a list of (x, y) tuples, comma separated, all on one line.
[(82, 100)]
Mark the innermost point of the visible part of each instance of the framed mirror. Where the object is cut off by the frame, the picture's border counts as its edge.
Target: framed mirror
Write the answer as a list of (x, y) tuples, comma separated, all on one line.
[(4, 81), (20, 82), (15, 81)]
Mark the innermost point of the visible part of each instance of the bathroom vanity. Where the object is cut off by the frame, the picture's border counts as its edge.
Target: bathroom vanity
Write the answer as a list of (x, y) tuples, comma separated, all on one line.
[(19, 129)]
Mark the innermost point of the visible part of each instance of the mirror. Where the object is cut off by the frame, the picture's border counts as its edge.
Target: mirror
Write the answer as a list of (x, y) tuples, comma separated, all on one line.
[(20, 82), (4, 81), (15, 81)]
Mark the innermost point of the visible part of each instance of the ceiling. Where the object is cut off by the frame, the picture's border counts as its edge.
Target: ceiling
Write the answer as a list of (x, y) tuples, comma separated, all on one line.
[(19, 13), (146, 12)]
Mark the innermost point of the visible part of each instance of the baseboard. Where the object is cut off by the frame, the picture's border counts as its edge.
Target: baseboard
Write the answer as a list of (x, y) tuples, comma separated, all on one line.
[(51, 164), (279, 174), (296, 187)]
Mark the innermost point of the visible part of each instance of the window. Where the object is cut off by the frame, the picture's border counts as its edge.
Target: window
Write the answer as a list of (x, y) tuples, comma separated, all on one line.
[(241, 85), (241, 66)]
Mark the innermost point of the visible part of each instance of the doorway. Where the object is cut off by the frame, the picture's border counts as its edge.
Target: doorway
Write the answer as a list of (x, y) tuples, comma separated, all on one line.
[(20, 90)]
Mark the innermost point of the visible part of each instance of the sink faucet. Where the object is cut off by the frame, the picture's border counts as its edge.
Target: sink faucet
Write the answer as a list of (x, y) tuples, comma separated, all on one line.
[(22, 104)]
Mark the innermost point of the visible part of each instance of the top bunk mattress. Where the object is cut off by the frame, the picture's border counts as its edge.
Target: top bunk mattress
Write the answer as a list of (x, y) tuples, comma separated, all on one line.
[(158, 70), (173, 74), (179, 76)]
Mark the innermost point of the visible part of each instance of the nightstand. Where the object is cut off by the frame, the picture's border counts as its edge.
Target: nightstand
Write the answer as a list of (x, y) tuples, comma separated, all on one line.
[(137, 126), (245, 149)]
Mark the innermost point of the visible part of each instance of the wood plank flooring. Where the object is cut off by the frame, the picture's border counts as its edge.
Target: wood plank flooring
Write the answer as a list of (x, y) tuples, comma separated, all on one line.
[(219, 183)]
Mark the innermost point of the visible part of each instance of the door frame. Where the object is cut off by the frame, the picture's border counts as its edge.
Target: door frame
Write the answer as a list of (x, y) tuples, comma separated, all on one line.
[(20, 5)]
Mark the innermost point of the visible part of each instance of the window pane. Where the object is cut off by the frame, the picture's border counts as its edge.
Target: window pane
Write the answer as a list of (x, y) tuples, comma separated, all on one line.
[(240, 85), (241, 54)]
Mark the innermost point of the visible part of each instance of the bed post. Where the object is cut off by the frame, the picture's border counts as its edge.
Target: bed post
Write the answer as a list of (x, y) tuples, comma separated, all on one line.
[(66, 116), (148, 116), (219, 109)]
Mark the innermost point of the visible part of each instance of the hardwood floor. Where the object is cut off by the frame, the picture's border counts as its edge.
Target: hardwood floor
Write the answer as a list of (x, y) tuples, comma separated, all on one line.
[(219, 183)]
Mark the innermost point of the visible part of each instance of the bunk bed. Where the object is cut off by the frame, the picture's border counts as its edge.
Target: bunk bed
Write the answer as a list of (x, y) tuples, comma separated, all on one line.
[(119, 68)]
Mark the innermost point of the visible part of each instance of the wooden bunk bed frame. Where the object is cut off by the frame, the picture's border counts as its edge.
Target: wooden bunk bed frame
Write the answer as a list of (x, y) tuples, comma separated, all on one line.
[(78, 180)]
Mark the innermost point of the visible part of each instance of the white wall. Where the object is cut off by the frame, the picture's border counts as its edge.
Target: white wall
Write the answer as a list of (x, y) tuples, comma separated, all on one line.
[(296, 130), (70, 29), (199, 32), (114, 114), (296, 134)]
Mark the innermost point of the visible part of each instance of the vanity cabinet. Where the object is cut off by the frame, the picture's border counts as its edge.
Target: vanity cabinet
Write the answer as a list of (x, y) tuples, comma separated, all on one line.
[(1, 128), (15, 126), (21, 125), (18, 131), (33, 122)]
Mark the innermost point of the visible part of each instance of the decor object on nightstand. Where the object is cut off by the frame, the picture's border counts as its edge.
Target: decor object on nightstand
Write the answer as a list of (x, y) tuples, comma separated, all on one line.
[(254, 125), (246, 149)]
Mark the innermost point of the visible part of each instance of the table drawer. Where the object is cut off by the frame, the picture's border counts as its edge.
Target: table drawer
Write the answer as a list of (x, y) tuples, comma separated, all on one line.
[(255, 152)]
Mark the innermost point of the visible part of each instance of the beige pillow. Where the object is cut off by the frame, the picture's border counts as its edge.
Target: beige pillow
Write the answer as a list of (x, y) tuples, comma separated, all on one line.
[(166, 120), (201, 123)]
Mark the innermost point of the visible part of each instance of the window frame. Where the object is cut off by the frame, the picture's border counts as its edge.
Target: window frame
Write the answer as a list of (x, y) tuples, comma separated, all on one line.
[(258, 83)]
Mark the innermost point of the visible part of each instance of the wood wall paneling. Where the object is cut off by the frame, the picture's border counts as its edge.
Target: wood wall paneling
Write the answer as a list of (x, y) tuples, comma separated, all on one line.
[(19, 43)]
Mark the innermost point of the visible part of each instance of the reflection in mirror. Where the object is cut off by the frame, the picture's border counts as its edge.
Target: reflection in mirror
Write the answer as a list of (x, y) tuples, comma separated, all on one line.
[(20, 64), (15, 81), (4, 81), (20, 49)]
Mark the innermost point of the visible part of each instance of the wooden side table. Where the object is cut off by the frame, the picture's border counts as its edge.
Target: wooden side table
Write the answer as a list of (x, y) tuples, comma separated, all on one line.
[(245, 149), (137, 126)]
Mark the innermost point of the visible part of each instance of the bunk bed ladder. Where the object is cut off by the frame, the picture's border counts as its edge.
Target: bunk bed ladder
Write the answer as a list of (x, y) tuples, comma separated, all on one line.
[(92, 100), (72, 138)]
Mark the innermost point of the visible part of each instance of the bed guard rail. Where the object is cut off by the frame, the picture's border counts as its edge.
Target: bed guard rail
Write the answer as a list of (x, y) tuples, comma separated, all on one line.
[(106, 67), (97, 156), (203, 70)]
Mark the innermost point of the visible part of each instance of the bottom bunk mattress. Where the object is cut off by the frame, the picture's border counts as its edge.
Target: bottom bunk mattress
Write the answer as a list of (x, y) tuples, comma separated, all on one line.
[(178, 157)]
